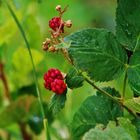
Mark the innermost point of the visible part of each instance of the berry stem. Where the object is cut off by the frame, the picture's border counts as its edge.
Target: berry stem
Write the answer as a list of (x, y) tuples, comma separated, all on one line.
[(33, 65), (62, 12), (124, 86)]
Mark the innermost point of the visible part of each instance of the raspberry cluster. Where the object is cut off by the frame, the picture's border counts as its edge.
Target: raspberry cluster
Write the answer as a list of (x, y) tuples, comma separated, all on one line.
[(54, 81), (57, 25)]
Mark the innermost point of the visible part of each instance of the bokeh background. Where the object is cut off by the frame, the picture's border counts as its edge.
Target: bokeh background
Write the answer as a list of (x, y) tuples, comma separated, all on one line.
[(34, 16)]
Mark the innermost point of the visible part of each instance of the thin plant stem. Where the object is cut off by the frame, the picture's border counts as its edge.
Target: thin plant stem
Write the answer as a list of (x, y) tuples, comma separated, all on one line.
[(124, 86), (101, 90), (111, 97), (34, 70)]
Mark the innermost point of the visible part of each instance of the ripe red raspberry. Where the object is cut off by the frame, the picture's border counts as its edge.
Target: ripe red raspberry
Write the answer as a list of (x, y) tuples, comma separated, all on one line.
[(58, 86), (50, 76), (55, 23)]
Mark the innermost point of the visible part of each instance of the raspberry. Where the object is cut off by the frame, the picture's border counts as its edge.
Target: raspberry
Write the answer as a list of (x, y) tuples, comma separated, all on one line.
[(55, 24), (50, 76), (54, 81), (58, 86)]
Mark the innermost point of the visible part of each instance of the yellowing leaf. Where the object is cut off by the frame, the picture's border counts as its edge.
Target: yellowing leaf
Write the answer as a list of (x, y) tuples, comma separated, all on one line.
[(133, 104)]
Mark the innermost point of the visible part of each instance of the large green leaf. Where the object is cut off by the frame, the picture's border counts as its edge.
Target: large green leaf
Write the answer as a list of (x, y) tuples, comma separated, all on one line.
[(128, 23), (95, 109), (97, 52), (133, 104), (136, 122), (134, 72), (123, 130)]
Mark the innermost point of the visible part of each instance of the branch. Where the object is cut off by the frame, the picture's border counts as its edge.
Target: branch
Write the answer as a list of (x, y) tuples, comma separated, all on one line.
[(24, 133), (111, 97), (4, 81), (124, 86), (101, 90)]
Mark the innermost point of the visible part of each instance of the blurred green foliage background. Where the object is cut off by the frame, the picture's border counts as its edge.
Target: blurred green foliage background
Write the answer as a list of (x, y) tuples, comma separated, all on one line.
[(34, 16)]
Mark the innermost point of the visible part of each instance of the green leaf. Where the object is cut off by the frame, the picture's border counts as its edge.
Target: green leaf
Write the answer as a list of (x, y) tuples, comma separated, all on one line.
[(97, 52), (14, 131), (21, 59), (7, 27), (1, 99), (36, 124), (22, 65), (95, 109), (133, 104), (36, 121), (35, 111), (16, 112), (74, 79), (123, 130), (128, 23), (128, 126), (30, 90), (2, 51), (134, 72), (57, 103), (33, 31), (25, 90), (136, 122)]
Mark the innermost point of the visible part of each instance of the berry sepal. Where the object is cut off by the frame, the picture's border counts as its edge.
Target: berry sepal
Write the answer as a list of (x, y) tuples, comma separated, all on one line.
[(57, 102)]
